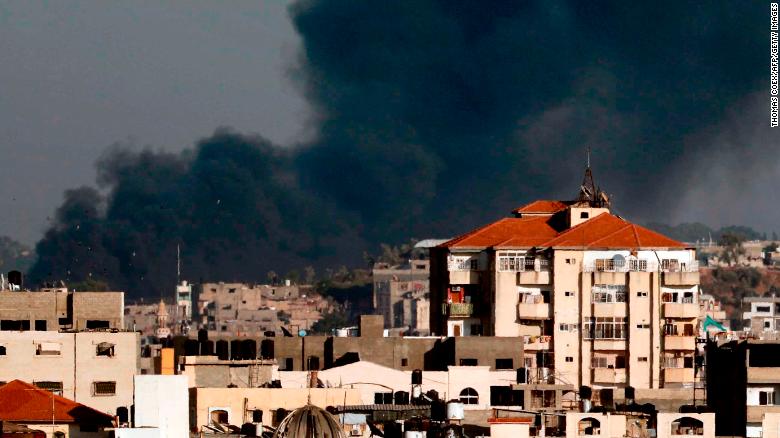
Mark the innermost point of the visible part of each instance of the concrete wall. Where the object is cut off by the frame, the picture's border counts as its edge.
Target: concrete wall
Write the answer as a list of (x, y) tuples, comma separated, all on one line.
[(77, 366), (51, 306), (162, 402), (664, 424), (240, 402), (610, 426)]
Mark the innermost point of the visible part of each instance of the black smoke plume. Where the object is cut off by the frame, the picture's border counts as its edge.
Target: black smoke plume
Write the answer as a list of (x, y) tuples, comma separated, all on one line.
[(432, 116)]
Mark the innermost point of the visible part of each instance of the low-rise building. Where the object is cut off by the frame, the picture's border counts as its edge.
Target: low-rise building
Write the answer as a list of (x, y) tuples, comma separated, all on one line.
[(761, 317), (400, 292), (58, 309), (59, 417), (95, 368)]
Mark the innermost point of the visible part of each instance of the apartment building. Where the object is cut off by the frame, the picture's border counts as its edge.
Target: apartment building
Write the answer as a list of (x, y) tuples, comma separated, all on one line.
[(244, 310), (401, 294), (743, 386), (580, 285), (95, 368), (59, 309), (761, 316)]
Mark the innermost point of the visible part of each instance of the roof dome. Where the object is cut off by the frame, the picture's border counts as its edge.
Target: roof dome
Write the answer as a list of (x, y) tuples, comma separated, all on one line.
[(309, 422)]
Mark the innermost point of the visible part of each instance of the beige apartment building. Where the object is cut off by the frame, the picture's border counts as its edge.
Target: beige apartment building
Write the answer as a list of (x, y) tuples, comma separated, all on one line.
[(95, 368), (58, 309), (401, 294), (599, 301)]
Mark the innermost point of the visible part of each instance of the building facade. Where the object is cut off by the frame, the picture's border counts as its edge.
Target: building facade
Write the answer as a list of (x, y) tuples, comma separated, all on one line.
[(580, 285)]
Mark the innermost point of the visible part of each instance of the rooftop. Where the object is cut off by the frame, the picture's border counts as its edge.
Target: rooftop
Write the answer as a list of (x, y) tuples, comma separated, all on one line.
[(26, 403)]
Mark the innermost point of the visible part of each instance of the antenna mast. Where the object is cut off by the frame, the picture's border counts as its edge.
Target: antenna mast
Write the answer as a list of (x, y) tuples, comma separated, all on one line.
[(178, 265)]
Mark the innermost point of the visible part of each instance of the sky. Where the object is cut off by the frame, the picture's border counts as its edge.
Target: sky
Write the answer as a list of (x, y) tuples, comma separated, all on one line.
[(80, 76)]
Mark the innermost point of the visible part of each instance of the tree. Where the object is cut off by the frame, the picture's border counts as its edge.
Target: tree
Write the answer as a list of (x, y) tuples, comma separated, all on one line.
[(772, 247), (732, 248)]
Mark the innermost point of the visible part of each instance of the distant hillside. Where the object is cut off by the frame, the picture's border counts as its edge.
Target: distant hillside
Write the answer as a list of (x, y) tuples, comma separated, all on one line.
[(730, 285), (691, 232)]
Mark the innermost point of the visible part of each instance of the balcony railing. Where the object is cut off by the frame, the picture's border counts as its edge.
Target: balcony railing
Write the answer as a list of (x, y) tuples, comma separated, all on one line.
[(459, 309), (612, 265)]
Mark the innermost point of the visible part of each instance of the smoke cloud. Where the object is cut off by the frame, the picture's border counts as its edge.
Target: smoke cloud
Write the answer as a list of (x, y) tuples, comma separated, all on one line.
[(432, 117)]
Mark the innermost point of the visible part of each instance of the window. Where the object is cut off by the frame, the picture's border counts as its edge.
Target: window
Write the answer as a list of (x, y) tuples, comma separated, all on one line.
[(97, 324), (288, 364), (469, 396), (505, 396), (763, 309), (583, 215), (642, 359), (568, 293), (569, 261), (641, 294), (608, 293), (313, 363), (48, 349), (605, 328), (404, 362), (468, 362), (104, 349), (2, 350), (55, 387), (510, 261), (103, 388), (566, 327), (219, 416), (14, 325), (40, 325), (505, 364), (643, 326), (569, 359), (670, 265), (766, 398), (383, 398), (462, 263)]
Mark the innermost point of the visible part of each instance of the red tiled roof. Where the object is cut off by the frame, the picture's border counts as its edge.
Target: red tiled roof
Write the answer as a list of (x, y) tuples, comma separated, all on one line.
[(23, 402), (507, 232), (541, 206), (609, 231), (602, 231)]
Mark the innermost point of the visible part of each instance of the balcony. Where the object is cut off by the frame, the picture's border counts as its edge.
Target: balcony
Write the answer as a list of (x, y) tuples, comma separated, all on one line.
[(763, 375), (681, 278), (609, 309), (755, 414), (533, 277), (609, 344), (672, 342), (678, 375), (681, 310), (533, 311), (614, 278), (459, 310), (464, 277), (536, 343), (609, 375)]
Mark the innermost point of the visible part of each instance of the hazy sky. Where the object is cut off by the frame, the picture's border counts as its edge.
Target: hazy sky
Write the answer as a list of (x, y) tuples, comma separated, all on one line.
[(78, 76)]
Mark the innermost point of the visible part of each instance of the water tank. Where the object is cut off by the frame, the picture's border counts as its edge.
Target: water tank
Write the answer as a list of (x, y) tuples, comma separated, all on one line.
[(267, 349), (223, 349), (401, 398), (248, 349), (203, 335), (191, 347), (585, 405), (416, 391), (438, 410), (249, 429), (455, 410), (630, 394), (342, 333), (585, 393), (207, 348), (235, 349), (417, 377)]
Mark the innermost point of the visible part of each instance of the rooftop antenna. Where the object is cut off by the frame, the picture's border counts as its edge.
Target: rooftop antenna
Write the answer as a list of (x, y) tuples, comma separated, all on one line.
[(178, 265), (588, 155)]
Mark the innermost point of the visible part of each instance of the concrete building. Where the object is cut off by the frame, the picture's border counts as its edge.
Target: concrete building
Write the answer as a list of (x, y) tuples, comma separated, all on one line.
[(95, 368), (242, 310), (743, 386), (59, 417), (401, 294), (58, 309), (580, 285), (162, 403), (761, 317)]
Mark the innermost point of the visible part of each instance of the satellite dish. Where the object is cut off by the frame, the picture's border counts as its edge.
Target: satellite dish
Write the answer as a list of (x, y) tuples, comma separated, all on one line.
[(301, 332)]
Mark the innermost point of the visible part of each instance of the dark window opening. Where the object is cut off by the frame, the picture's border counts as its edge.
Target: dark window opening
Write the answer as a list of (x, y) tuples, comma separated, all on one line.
[(505, 396), (469, 396), (97, 324), (104, 388), (313, 363), (584, 215), (2, 350), (40, 325), (383, 398), (55, 387), (105, 349), (14, 325), (404, 362), (505, 364), (468, 362)]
